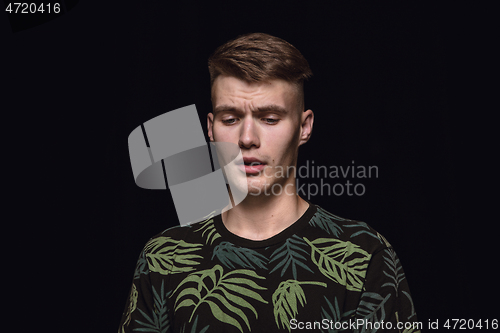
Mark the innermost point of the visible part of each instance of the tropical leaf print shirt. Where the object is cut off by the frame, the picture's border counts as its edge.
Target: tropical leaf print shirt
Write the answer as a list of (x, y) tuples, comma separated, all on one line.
[(322, 274)]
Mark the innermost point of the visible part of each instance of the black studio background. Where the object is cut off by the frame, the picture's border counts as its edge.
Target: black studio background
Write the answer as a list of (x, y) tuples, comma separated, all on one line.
[(77, 86)]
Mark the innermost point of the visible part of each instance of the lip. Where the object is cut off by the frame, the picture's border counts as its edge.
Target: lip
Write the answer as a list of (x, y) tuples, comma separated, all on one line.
[(252, 169), (249, 160)]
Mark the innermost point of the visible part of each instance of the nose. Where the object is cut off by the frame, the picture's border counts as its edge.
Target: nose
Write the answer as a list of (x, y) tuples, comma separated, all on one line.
[(249, 134)]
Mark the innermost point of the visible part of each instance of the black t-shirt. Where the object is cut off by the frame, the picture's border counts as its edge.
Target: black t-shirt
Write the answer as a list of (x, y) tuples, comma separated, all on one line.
[(323, 273)]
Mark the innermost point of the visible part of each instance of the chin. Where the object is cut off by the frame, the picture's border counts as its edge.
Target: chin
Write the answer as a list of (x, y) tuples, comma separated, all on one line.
[(257, 187)]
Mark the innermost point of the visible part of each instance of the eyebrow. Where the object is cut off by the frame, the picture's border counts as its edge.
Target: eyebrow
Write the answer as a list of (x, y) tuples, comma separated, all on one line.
[(264, 108)]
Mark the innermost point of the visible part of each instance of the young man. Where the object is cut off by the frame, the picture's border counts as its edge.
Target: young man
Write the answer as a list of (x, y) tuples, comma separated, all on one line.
[(275, 262)]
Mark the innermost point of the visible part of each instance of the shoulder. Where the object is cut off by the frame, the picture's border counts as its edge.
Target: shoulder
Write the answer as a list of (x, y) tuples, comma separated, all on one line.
[(181, 235), (175, 249), (359, 233)]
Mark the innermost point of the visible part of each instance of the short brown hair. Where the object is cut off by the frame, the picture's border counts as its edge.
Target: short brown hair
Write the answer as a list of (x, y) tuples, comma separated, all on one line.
[(259, 57)]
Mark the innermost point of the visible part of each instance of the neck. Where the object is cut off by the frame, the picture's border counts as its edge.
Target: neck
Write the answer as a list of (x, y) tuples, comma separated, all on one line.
[(261, 217)]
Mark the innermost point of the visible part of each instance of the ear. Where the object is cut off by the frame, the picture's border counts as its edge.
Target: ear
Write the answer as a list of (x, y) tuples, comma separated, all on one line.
[(306, 126), (210, 126)]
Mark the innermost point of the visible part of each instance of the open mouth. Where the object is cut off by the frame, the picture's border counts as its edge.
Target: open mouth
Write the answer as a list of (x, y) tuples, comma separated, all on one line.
[(252, 165), (252, 161)]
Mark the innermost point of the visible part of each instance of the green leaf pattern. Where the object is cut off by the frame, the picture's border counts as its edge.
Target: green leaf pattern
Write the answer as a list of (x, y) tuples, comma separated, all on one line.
[(230, 255), (208, 231), (394, 270), (366, 230), (132, 303), (327, 221), (285, 300), (340, 261), (220, 291), (207, 282), (158, 322), (193, 328), (332, 313), (141, 267), (371, 308), (170, 256), (291, 252)]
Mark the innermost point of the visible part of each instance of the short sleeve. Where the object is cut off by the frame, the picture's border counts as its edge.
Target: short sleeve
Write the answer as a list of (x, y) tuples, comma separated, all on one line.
[(386, 304), (146, 307)]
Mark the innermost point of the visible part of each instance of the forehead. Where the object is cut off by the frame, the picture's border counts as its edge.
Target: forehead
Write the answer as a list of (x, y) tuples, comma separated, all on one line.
[(233, 91)]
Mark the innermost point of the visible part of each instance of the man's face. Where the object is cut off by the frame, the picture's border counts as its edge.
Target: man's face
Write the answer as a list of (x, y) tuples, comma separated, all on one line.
[(264, 119)]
